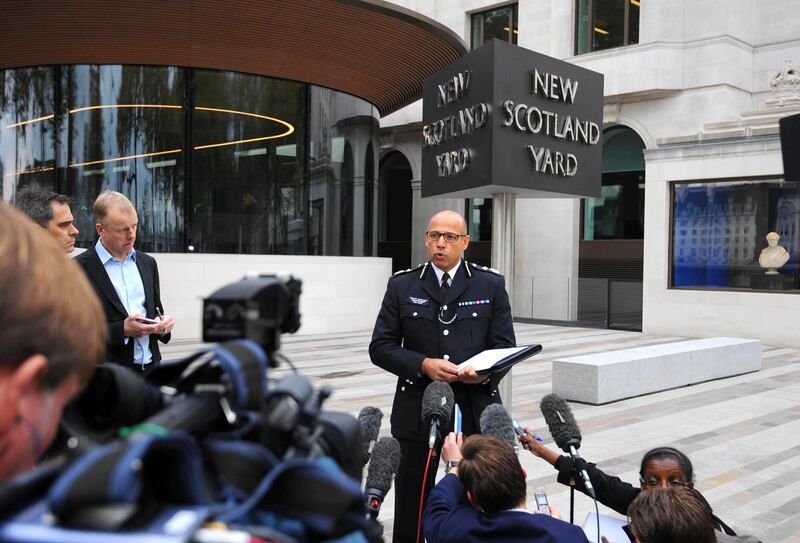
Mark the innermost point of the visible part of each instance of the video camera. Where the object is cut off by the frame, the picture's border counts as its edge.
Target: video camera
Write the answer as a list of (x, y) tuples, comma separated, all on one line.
[(264, 452), (257, 308)]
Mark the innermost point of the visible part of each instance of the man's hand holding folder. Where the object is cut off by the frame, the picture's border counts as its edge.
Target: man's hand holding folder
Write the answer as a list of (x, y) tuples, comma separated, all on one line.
[(492, 360)]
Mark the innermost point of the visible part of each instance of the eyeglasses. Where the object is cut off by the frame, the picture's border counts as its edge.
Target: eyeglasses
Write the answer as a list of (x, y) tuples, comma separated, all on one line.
[(653, 483), (449, 237)]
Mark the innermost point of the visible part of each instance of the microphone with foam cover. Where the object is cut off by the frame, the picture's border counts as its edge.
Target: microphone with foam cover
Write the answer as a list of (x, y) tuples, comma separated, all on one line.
[(369, 419), (495, 421), (561, 422), (382, 469), (437, 407), (565, 432)]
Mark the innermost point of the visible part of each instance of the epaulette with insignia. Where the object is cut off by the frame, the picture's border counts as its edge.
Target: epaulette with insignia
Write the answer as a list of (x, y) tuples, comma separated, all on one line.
[(485, 268), (401, 272)]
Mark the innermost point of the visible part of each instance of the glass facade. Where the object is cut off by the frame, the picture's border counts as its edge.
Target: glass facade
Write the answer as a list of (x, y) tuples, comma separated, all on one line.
[(215, 162), (500, 23), (719, 232), (618, 214), (604, 24)]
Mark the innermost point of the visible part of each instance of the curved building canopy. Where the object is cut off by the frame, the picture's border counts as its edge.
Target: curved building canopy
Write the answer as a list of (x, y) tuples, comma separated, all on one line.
[(368, 48)]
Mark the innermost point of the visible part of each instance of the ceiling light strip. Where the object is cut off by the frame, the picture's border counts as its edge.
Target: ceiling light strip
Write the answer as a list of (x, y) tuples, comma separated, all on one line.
[(126, 106), (38, 169), (36, 120), (79, 164)]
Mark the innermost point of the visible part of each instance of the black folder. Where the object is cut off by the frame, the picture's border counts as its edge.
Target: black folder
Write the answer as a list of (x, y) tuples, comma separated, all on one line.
[(503, 360)]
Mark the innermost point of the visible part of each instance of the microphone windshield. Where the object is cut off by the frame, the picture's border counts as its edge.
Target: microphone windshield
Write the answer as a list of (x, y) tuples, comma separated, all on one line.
[(369, 419), (383, 466), (437, 403), (495, 421), (561, 422)]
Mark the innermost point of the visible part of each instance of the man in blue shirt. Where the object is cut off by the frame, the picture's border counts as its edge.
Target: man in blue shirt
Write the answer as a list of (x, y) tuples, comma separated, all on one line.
[(127, 284)]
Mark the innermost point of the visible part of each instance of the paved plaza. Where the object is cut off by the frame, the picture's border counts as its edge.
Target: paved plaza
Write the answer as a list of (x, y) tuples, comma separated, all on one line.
[(741, 433)]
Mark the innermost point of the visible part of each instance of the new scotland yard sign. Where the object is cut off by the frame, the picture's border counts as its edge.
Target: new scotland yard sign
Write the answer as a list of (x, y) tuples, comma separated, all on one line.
[(504, 119)]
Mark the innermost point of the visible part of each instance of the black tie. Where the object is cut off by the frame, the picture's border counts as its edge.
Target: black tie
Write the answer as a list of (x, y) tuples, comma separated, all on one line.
[(445, 285)]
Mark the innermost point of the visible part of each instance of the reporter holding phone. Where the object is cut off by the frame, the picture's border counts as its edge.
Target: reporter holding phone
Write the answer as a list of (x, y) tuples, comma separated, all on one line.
[(483, 498), (127, 283)]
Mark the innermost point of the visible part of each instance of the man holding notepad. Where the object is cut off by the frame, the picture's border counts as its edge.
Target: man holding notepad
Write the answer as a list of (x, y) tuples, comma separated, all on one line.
[(433, 318), (126, 281)]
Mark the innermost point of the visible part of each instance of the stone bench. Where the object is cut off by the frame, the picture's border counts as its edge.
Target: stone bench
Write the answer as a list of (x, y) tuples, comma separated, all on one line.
[(614, 375)]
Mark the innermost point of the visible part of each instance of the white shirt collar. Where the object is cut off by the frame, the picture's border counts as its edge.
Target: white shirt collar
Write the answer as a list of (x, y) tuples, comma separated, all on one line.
[(439, 273)]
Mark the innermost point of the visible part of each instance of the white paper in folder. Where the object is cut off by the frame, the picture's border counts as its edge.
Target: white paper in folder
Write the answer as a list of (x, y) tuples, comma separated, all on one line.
[(488, 358)]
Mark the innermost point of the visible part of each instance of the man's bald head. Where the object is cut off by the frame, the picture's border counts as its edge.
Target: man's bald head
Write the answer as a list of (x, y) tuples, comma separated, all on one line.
[(450, 216), (445, 253)]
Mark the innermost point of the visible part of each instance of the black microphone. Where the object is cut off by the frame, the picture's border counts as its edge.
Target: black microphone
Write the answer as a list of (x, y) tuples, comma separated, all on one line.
[(369, 419), (382, 469), (495, 421), (565, 432), (437, 407)]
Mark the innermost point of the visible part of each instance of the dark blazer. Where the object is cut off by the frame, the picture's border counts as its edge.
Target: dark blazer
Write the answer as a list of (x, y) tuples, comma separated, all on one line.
[(449, 518), (415, 323), (116, 349)]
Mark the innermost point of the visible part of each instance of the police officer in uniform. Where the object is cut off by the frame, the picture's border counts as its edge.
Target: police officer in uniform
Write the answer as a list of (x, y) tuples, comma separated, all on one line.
[(433, 318)]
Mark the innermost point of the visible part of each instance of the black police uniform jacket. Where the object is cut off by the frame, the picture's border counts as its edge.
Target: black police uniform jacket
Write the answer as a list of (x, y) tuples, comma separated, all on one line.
[(414, 323)]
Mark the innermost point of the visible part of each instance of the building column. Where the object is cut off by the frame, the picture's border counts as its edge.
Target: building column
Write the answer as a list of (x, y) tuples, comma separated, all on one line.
[(503, 218)]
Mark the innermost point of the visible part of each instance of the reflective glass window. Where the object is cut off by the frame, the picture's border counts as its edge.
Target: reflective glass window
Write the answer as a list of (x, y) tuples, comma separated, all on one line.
[(248, 156), (719, 235), (369, 199), (604, 24), (479, 219), (27, 128), (123, 129), (619, 211), (341, 129), (213, 161), (499, 23)]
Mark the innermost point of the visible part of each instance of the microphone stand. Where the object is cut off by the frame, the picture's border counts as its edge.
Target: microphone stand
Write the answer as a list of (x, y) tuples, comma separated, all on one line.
[(572, 503)]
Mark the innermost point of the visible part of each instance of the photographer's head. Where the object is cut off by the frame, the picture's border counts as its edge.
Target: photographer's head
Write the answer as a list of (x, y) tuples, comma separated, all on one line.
[(671, 514), (52, 333), (491, 474)]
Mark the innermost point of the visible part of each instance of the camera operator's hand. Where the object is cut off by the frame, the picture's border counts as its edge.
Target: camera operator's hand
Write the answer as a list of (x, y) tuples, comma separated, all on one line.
[(439, 369), (166, 325), (133, 328), (451, 449), (471, 377)]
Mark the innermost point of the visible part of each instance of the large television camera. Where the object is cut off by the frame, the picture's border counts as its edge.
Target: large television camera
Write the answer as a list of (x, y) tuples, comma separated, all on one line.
[(266, 450)]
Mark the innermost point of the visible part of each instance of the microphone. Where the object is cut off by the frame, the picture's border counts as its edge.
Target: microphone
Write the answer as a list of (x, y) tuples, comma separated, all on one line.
[(437, 406), (369, 419), (565, 432), (382, 469), (495, 421)]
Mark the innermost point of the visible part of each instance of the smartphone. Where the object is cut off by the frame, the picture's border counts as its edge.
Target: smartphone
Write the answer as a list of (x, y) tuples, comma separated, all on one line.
[(541, 502), (457, 421), (517, 428), (145, 320)]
